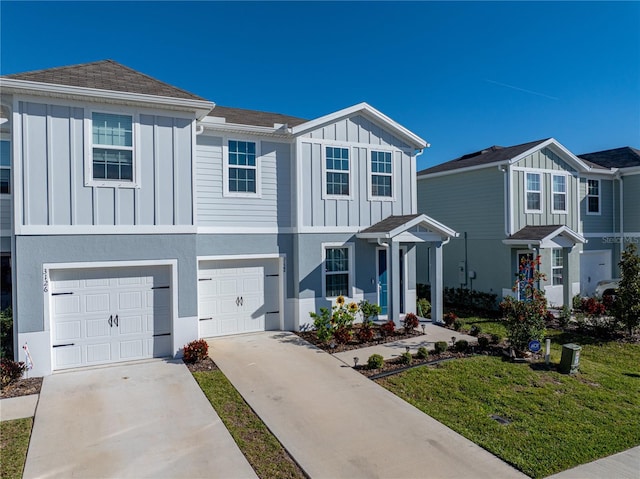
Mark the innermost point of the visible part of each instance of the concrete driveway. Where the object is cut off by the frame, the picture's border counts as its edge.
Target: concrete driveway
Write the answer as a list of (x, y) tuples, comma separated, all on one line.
[(143, 419), (338, 424)]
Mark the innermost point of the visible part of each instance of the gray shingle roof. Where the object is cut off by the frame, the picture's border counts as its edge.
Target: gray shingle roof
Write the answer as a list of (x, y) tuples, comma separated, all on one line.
[(534, 233), (624, 157), (389, 224), (254, 117), (493, 154), (105, 75)]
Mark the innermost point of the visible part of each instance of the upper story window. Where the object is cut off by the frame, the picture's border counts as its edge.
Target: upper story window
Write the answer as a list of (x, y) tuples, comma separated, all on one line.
[(559, 193), (242, 167), (593, 197), (5, 166), (337, 271), (381, 174), (112, 137), (533, 193), (556, 266), (337, 171)]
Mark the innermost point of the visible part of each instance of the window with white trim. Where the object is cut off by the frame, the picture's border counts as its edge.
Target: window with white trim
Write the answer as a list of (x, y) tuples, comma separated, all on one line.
[(559, 185), (5, 166), (242, 167), (381, 174), (533, 196), (557, 263), (112, 146), (336, 271), (337, 171), (593, 197)]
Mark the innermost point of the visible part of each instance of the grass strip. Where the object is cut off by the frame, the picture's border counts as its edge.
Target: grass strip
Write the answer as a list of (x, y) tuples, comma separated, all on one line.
[(557, 421), (14, 443), (261, 448)]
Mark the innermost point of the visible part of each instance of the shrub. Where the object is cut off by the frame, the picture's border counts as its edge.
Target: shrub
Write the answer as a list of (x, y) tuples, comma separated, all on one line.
[(475, 330), (406, 358), (449, 318), (423, 353), (627, 302), (322, 324), (365, 332), (195, 351), (6, 333), (410, 322), (368, 310), (496, 338), (592, 307), (576, 302), (329, 320), (375, 361), (440, 347), (565, 317), (10, 371), (343, 334), (483, 342), (388, 328), (461, 346), (423, 307), (458, 324)]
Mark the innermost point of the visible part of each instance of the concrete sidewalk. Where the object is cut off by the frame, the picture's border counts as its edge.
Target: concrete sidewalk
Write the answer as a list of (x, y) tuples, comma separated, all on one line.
[(338, 424), (18, 407), (624, 465), (135, 420), (433, 333)]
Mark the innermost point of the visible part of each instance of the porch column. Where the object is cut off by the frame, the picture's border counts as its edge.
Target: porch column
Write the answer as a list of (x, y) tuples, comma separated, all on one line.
[(394, 283), (567, 299), (435, 279)]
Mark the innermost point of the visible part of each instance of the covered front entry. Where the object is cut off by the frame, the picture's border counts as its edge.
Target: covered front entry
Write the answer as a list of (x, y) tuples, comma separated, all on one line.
[(393, 235), (108, 315), (238, 296)]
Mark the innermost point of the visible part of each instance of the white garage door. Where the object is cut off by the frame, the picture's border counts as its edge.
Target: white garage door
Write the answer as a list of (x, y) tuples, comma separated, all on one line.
[(237, 297), (106, 315), (594, 266)]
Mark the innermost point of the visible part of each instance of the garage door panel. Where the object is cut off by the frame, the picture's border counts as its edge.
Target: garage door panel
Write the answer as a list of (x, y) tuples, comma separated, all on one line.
[(129, 300), (64, 305), (227, 286), (94, 303), (67, 357), (129, 324), (68, 330), (209, 327), (96, 283), (99, 353), (97, 328), (131, 349)]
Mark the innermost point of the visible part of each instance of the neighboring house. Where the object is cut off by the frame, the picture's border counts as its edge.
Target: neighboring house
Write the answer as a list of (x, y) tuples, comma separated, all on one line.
[(610, 212), (145, 216), (535, 199)]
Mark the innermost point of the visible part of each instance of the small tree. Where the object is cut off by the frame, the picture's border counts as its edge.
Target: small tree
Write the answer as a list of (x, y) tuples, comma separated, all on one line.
[(525, 317), (626, 306)]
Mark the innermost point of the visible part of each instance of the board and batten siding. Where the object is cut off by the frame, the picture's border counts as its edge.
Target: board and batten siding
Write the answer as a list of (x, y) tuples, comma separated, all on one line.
[(547, 163), (358, 209), (631, 198), (471, 202), (52, 162), (272, 208), (607, 220)]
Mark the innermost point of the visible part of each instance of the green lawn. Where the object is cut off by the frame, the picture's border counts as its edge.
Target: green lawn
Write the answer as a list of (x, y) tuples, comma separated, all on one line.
[(14, 442), (557, 421), (489, 326), (263, 451)]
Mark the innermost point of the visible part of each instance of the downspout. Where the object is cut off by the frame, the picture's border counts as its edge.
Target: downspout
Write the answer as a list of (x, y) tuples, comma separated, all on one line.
[(384, 245), (199, 129), (619, 178), (507, 226)]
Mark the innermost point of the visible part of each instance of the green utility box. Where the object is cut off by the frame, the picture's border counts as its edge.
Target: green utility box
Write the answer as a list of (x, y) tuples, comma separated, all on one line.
[(570, 358)]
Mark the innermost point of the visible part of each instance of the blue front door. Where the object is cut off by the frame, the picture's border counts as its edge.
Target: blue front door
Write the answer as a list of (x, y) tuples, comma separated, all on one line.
[(383, 297)]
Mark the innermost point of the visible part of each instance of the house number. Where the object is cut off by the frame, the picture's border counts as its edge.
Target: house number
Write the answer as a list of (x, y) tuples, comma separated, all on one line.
[(45, 281)]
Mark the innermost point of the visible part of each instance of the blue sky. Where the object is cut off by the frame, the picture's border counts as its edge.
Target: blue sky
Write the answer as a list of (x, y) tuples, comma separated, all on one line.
[(461, 75)]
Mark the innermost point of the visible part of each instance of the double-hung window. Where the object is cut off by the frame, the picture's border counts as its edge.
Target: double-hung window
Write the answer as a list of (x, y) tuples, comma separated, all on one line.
[(533, 193), (381, 176), (242, 173), (5, 166), (559, 194), (112, 143), (337, 171), (556, 266), (337, 271), (593, 197)]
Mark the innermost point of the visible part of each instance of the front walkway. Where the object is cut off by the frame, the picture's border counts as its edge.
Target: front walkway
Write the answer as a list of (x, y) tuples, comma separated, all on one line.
[(624, 465), (338, 424)]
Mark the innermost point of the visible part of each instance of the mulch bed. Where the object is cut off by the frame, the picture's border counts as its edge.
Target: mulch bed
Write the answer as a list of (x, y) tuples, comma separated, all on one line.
[(22, 387), (334, 347), (206, 364)]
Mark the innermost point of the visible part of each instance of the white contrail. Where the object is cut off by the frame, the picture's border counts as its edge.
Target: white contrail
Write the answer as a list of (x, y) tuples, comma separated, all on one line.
[(522, 89)]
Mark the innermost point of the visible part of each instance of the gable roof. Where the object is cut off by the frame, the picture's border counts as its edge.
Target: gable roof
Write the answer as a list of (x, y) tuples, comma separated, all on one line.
[(624, 157), (393, 225), (547, 236), (367, 111), (497, 155), (105, 75), (254, 117)]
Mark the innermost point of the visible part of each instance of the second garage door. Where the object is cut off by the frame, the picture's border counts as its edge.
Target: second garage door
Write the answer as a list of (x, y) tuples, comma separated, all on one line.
[(238, 297)]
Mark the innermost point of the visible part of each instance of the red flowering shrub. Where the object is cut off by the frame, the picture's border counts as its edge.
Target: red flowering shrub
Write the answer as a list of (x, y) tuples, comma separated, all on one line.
[(10, 371), (410, 322), (342, 334), (365, 332), (450, 318), (388, 328), (593, 307), (195, 351)]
